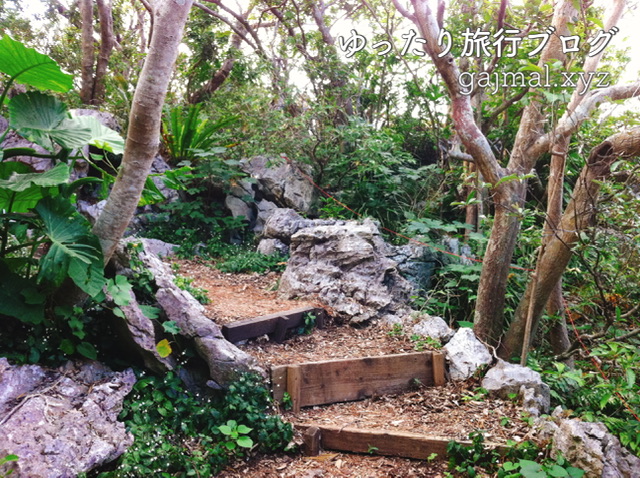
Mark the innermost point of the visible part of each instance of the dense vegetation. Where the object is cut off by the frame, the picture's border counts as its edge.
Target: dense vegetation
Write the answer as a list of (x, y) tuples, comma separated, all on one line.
[(377, 133)]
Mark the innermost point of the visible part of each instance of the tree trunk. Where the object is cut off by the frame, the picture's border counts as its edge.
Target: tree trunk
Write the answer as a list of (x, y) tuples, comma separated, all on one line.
[(220, 76), (144, 123), (86, 15), (578, 215), (106, 47)]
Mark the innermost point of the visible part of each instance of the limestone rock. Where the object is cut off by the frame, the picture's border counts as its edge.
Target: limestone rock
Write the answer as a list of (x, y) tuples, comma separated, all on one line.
[(434, 327), (346, 267), (264, 211), (591, 447), (62, 422), (238, 208), (13, 140), (465, 354), (224, 360), (106, 119), (281, 183), (271, 247), (507, 378)]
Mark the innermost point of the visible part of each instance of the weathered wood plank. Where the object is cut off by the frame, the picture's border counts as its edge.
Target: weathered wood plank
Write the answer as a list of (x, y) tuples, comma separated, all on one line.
[(439, 378), (294, 383), (355, 379), (383, 442), (268, 324)]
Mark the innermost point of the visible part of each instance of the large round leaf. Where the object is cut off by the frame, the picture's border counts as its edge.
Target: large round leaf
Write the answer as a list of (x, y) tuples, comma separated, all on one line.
[(101, 136), (20, 189), (32, 68), (45, 120)]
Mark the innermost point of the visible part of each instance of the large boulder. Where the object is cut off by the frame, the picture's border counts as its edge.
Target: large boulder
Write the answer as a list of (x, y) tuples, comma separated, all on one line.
[(465, 354), (588, 446), (506, 379), (281, 183), (346, 267), (224, 360), (434, 327), (62, 422)]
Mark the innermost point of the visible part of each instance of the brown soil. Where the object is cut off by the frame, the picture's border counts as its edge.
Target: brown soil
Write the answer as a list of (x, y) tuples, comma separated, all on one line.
[(449, 412)]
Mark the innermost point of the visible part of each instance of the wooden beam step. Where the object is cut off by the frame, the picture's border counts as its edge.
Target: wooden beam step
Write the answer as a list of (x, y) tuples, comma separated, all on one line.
[(379, 442), (274, 325)]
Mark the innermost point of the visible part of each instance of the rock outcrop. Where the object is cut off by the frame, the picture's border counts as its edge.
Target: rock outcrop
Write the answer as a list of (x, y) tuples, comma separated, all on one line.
[(465, 354), (346, 266), (506, 378), (224, 360), (62, 422)]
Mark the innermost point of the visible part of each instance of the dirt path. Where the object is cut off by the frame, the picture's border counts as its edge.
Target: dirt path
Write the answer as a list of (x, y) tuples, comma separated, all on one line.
[(449, 412)]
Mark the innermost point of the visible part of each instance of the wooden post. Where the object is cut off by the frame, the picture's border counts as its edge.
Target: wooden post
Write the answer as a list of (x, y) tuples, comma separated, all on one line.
[(311, 441), (438, 369), (280, 332), (294, 379)]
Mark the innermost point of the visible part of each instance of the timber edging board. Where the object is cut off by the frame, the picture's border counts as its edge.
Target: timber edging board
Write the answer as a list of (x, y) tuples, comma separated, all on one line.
[(274, 325), (383, 442), (318, 383)]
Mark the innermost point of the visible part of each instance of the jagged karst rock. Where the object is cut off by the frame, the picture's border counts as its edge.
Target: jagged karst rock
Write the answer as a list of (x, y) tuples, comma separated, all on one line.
[(13, 140), (346, 267), (588, 446), (61, 422), (264, 211), (434, 327), (271, 247), (281, 183), (224, 360), (465, 354), (416, 263), (507, 378)]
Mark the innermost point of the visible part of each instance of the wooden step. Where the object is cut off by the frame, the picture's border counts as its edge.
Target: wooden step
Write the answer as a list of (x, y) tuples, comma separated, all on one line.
[(376, 441), (274, 325), (319, 383)]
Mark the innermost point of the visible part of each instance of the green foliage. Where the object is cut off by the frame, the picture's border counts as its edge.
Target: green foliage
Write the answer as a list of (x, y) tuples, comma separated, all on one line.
[(243, 260), (4, 461), (185, 130), (308, 324), (186, 284), (178, 432), (523, 459)]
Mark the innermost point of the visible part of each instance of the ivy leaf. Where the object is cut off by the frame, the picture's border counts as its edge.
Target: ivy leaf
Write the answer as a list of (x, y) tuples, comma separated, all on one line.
[(87, 350), (32, 68), (120, 290), (245, 442), (164, 348), (150, 312), (171, 327)]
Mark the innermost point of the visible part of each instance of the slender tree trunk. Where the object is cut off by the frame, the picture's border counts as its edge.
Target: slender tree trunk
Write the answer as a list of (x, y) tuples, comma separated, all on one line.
[(578, 215), (86, 15), (144, 123), (106, 47), (221, 75)]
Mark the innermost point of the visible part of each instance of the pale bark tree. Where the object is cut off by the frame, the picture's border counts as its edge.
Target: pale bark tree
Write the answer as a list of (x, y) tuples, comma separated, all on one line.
[(557, 250), (93, 71), (534, 137), (143, 135)]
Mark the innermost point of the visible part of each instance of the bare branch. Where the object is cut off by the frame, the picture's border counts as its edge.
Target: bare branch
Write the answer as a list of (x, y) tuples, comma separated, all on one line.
[(570, 124)]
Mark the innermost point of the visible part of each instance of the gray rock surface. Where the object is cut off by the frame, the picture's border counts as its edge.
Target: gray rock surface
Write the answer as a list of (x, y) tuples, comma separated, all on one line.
[(589, 446), (13, 140), (224, 360), (434, 327), (238, 208), (264, 211), (281, 183), (507, 378), (416, 263), (284, 223), (61, 422), (346, 267), (465, 353), (271, 247)]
